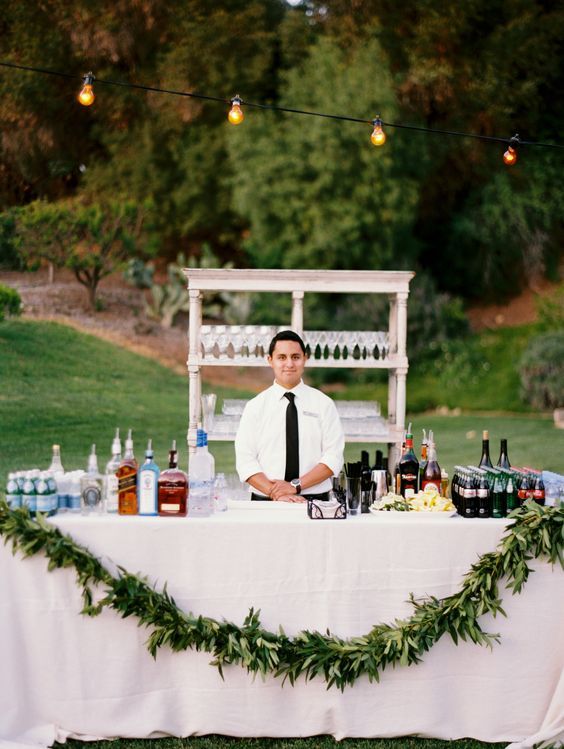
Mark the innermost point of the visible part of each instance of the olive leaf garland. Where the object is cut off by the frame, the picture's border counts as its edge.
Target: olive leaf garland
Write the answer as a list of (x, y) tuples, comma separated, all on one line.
[(534, 532)]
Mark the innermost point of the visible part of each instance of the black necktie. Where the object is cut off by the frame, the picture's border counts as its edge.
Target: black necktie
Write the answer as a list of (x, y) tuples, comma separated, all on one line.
[(292, 440)]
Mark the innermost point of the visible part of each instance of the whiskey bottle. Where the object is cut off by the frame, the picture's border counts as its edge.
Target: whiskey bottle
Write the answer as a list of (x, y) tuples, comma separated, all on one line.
[(127, 480), (172, 488), (147, 484)]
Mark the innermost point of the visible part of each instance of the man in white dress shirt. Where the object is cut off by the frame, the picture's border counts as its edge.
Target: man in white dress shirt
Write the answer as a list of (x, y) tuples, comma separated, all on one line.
[(261, 442)]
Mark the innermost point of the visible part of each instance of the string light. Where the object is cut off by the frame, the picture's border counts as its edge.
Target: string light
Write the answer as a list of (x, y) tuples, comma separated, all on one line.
[(236, 115), (86, 96), (510, 156), (378, 136)]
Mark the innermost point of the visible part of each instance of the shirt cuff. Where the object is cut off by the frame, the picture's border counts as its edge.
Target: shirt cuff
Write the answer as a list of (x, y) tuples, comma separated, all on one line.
[(247, 469), (334, 462)]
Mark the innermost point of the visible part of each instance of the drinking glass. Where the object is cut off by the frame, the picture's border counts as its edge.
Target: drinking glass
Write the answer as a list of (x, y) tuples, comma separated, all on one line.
[(354, 495)]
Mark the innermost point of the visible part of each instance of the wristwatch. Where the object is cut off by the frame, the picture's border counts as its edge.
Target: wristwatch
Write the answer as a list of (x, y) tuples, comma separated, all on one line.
[(296, 483)]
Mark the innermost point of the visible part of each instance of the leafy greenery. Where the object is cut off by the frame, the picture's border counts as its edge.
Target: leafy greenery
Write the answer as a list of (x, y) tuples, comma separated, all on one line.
[(10, 302), (535, 532), (542, 370), (551, 310)]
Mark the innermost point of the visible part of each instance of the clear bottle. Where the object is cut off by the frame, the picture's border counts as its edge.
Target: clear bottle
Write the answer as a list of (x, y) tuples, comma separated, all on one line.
[(432, 472), (485, 460), (499, 497), (172, 488), (408, 470), (91, 487), (220, 493), (503, 461), (29, 498), (147, 484), (201, 474), (111, 479), (57, 471), (424, 455), (127, 480)]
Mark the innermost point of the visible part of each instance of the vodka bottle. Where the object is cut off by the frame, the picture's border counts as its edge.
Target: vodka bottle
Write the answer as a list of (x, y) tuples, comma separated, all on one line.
[(111, 480), (201, 473), (91, 486), (147, 483)]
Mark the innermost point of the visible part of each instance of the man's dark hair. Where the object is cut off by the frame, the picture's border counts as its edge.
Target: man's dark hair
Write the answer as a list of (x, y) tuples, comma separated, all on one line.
[(285, 335)]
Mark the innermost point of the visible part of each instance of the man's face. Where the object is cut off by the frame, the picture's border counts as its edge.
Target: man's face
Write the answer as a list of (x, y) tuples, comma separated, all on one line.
[(288, 362)]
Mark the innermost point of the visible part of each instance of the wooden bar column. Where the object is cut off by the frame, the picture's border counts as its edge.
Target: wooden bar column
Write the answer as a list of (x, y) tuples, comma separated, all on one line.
[(194, 380)]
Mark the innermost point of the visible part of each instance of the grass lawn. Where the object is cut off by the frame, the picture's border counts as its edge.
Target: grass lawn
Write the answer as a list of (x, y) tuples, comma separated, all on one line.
[(61, 386)]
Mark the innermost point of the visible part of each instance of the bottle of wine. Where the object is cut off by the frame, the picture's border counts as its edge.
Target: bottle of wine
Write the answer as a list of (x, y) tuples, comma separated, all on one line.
[(388, 475), (432, 471), (408, 470), (503, 461), (485, 460)]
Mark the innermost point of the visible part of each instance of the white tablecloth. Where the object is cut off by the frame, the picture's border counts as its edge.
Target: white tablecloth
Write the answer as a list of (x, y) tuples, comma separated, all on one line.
[(63, 674)]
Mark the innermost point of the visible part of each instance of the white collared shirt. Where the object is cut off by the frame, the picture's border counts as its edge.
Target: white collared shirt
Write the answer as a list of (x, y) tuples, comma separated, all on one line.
[(260, 444)]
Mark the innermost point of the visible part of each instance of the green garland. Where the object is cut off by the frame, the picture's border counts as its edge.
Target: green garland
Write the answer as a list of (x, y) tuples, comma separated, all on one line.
[(535, 531)]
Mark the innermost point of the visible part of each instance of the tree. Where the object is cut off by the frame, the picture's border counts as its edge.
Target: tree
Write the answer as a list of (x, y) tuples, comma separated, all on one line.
[(315, 192), (91, 240)]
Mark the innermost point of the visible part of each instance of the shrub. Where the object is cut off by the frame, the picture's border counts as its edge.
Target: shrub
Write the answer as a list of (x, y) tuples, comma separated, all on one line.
[(551, 310), (10, 302), (542, 371)]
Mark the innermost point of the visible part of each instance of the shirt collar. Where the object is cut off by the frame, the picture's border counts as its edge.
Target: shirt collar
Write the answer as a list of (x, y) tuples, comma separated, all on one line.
[(281, 391)]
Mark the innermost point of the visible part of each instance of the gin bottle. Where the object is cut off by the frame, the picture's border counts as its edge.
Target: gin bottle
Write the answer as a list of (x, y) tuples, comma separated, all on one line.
[(172, 488), (57, 471), (127, 480), (111, 481), (201, 474), (91, 487), (147, 483)]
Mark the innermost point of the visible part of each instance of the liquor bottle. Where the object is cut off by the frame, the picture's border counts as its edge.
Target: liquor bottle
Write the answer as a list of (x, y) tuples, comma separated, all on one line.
[(388, 474), (111, 481), (172, 488), (485, 460), (147, 483), (378, 461), (91, 486), (220, 493), (201, 474), (408, 469), (57, 471), (538, 490), (424, 454), (127, 480), (397, 481), (444, 483), (365, 481), (503, 461), (432, 471)]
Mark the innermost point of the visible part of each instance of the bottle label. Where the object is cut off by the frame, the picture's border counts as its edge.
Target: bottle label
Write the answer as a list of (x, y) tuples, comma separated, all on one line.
[(91, 496), (112, 486), (147, 493), (436, 484), (127, 482)]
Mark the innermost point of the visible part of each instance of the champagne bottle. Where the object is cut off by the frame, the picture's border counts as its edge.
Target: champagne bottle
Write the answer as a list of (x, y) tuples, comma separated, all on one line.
[(503, 461), (485, 460)]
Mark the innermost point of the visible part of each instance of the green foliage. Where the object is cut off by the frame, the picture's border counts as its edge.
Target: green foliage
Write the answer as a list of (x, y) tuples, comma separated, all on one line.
[(550, 310), (10, 259), (535, 532), (328, 198), (10, 302), (91, 240), (542, 371)]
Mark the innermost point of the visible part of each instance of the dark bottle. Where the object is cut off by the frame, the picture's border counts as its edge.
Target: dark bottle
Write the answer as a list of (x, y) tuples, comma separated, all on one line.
[(397, 482), (521, 486), (388, 475), (455, 488), (483, 496), (365, 481), (408, 469), (432, 471), (503, 461), (173, 488), (468, 503), (511, 492), (485, 460), (499, 499), (378, 461), (538, 490)]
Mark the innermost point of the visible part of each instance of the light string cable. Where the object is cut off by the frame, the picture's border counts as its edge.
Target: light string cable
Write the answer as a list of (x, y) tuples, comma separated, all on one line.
[(289, 110)]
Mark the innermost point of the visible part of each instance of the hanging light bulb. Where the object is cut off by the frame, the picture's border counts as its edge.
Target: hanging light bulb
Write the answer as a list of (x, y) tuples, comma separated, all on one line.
[(86, 96), (236, 115), (510, 156), (378, 136)]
